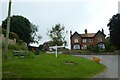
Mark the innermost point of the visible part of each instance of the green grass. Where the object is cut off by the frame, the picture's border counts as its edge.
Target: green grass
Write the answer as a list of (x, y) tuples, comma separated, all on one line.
[(47, 66), (82, 51)]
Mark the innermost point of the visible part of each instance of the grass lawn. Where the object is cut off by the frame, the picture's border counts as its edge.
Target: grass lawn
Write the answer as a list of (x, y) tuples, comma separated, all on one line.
[(47, 66)]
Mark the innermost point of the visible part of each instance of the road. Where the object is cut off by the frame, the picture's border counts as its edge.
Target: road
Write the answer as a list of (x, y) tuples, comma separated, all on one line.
[(110, 61)]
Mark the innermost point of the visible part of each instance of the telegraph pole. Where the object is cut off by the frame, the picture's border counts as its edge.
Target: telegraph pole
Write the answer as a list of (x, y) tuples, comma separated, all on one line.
[(7, 31)]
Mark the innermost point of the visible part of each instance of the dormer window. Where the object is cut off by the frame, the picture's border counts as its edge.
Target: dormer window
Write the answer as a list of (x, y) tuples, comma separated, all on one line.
[(76, 40)]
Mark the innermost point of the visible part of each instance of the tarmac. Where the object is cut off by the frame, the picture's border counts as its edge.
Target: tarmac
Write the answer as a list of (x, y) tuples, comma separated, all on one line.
[(111, 62)]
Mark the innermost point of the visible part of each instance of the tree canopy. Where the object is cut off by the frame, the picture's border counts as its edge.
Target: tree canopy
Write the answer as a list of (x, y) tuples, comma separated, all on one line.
[(22, 27), (56, 34), (114, 28)]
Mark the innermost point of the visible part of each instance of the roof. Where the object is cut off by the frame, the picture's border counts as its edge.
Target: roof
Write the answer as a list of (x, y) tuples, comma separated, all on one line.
[(32, 47), (88, 35), (47, 42)]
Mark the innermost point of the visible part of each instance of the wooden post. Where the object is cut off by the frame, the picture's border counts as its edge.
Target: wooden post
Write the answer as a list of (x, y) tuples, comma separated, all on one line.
[(56, 52)]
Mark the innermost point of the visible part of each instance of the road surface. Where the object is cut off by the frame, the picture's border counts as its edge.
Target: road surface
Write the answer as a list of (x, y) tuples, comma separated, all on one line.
[(110, 61)]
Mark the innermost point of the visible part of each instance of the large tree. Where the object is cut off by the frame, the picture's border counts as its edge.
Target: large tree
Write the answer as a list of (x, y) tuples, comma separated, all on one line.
[(22, 27), (57, 35), (114, 28)]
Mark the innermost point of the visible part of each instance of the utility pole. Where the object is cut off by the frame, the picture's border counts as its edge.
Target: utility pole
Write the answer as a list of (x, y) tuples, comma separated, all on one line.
[(7, 31)]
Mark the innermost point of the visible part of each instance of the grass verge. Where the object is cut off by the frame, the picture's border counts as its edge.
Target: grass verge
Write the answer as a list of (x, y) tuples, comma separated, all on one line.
[(47, 66)]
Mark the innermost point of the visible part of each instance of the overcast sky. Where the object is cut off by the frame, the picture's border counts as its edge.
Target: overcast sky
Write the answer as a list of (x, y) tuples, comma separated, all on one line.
[(75, 15)]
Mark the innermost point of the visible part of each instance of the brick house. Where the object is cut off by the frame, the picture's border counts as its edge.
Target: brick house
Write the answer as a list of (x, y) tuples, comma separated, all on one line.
[(81, 41)]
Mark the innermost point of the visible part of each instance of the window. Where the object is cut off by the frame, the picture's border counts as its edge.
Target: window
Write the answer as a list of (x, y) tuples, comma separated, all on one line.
[(76, 40), (99, 39), (76, 46), (101, 46), (90, 40), (84, 40), (84, 47)]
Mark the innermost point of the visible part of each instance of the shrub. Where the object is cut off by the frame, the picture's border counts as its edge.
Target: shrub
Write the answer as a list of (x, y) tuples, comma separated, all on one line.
[(3, 45), (94, 48), (20, 42), (15, 47), (102, 51), (4, 32), (12, 35), (90, 47), (110, 48)]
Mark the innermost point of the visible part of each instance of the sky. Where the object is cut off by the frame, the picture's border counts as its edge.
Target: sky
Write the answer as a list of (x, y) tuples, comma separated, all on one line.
[(75, 15)]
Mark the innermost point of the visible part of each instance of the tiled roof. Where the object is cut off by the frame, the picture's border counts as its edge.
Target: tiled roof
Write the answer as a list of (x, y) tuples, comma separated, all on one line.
[(88, 35)]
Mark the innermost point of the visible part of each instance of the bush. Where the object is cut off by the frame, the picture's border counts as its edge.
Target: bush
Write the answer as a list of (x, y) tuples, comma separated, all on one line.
[(90, 47), (4, 32), (94, 48), (3, 45), (12, 35), (15, 47), (110, 48), (20, 42), (102, 51)]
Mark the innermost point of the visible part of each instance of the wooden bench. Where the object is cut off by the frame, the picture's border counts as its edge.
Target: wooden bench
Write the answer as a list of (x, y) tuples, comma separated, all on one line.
[(20, 53)]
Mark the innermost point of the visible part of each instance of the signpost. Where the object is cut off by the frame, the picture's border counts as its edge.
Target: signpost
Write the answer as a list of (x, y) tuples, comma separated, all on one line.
[(56, 52), (56, 49)]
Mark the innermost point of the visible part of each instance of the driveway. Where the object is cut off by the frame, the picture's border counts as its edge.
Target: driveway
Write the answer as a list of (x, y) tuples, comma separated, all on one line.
[(110, 61)]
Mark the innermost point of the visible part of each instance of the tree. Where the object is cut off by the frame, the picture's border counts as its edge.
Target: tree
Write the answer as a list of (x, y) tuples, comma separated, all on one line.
[(109, 46), (22, 27), (57, 35), (114, 28), (40, 47)]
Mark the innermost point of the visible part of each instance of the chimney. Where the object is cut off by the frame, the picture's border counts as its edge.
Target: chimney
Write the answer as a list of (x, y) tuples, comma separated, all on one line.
[(70, 33), (102, 30), (85, 31)]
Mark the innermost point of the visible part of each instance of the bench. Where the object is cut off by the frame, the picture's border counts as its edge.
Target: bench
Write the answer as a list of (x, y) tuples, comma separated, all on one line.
[(19, 53)]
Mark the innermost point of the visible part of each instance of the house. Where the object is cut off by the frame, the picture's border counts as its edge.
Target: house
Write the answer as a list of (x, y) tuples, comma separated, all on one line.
[(32, 48), (46, 45), (82, 41)]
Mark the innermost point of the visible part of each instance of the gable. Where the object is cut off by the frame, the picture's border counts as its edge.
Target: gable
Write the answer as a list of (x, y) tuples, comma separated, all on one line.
[(75, 35), (100, 34)]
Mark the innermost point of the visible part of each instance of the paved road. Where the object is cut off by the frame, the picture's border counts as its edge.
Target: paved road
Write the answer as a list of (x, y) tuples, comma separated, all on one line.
[(111, 62)]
